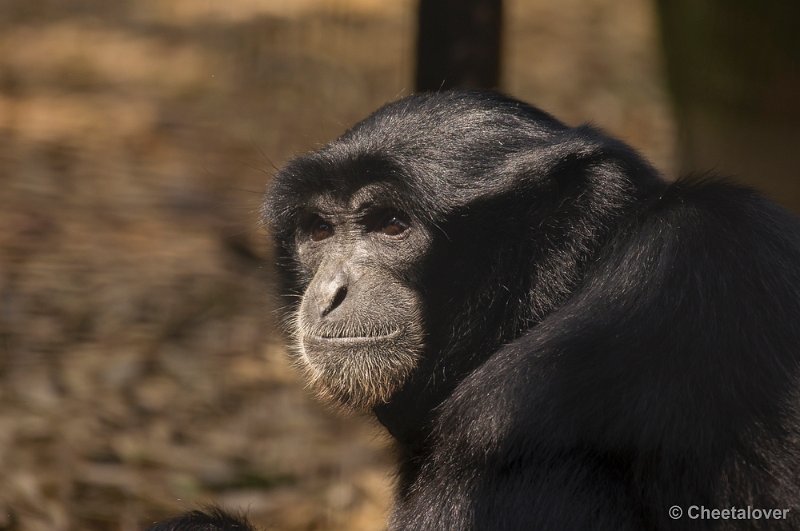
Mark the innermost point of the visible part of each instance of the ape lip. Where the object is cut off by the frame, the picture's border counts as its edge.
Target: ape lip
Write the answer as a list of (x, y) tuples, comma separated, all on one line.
[(353, 339)]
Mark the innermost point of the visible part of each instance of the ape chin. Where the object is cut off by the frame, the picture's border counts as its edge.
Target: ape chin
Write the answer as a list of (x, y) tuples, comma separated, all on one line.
[(556, 336)]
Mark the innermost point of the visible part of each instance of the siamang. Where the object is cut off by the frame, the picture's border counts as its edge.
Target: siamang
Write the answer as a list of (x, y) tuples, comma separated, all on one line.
[(555, 336)]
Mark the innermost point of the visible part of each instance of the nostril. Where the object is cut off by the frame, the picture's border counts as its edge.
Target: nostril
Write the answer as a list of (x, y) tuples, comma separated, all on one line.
[(338, 298), (341, 293)]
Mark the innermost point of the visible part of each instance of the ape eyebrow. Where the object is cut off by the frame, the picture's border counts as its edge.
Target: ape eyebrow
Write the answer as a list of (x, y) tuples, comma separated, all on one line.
[(368, 208), (314, 210), (365, 202), (320, 205)]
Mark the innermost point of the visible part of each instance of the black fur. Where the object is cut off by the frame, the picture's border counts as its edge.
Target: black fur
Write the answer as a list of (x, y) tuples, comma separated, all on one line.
[(213, 519), (600, 344)]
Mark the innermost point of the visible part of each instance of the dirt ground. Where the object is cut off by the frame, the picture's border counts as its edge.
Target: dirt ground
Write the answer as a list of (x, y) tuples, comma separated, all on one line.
[(141, 373)]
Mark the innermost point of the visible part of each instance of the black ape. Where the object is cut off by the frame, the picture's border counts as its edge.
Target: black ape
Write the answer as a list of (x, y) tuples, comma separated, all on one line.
[(556, 337)]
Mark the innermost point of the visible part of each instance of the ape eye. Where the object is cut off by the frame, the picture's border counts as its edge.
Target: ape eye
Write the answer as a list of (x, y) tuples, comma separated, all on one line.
[(319, 229), (392, 223), (394, 226)]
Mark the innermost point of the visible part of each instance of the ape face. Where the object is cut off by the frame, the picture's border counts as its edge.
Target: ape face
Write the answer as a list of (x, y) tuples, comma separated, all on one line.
[(359, 326)]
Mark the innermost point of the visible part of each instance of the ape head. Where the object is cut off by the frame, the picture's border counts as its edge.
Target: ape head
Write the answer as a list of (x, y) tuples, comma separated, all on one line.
[(433, 231)]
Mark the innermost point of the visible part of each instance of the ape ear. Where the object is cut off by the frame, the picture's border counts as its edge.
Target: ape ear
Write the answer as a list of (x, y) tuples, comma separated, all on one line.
[(576, 176), (584, 154)]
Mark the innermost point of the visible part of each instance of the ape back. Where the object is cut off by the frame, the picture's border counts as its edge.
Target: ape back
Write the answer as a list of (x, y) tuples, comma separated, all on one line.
[(555, 336)]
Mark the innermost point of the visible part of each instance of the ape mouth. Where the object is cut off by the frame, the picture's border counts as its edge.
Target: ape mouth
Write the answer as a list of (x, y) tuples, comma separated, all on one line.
[(342, 339)]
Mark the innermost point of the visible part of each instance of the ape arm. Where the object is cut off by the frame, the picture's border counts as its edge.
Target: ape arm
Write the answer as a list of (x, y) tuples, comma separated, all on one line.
[(571, 492)]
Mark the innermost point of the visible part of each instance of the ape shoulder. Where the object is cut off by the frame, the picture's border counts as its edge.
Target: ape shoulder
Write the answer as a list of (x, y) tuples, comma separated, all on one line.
[(687, 316)]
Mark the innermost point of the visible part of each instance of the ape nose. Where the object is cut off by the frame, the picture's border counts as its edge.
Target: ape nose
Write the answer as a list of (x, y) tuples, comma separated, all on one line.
[(332, 295)]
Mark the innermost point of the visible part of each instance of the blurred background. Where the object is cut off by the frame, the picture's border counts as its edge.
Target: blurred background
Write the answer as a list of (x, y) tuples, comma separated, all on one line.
[(141, 371)]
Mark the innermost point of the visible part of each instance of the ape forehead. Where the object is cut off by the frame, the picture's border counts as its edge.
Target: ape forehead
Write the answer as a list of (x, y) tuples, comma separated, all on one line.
[(352, 177), (329, 181), (354, 200)]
